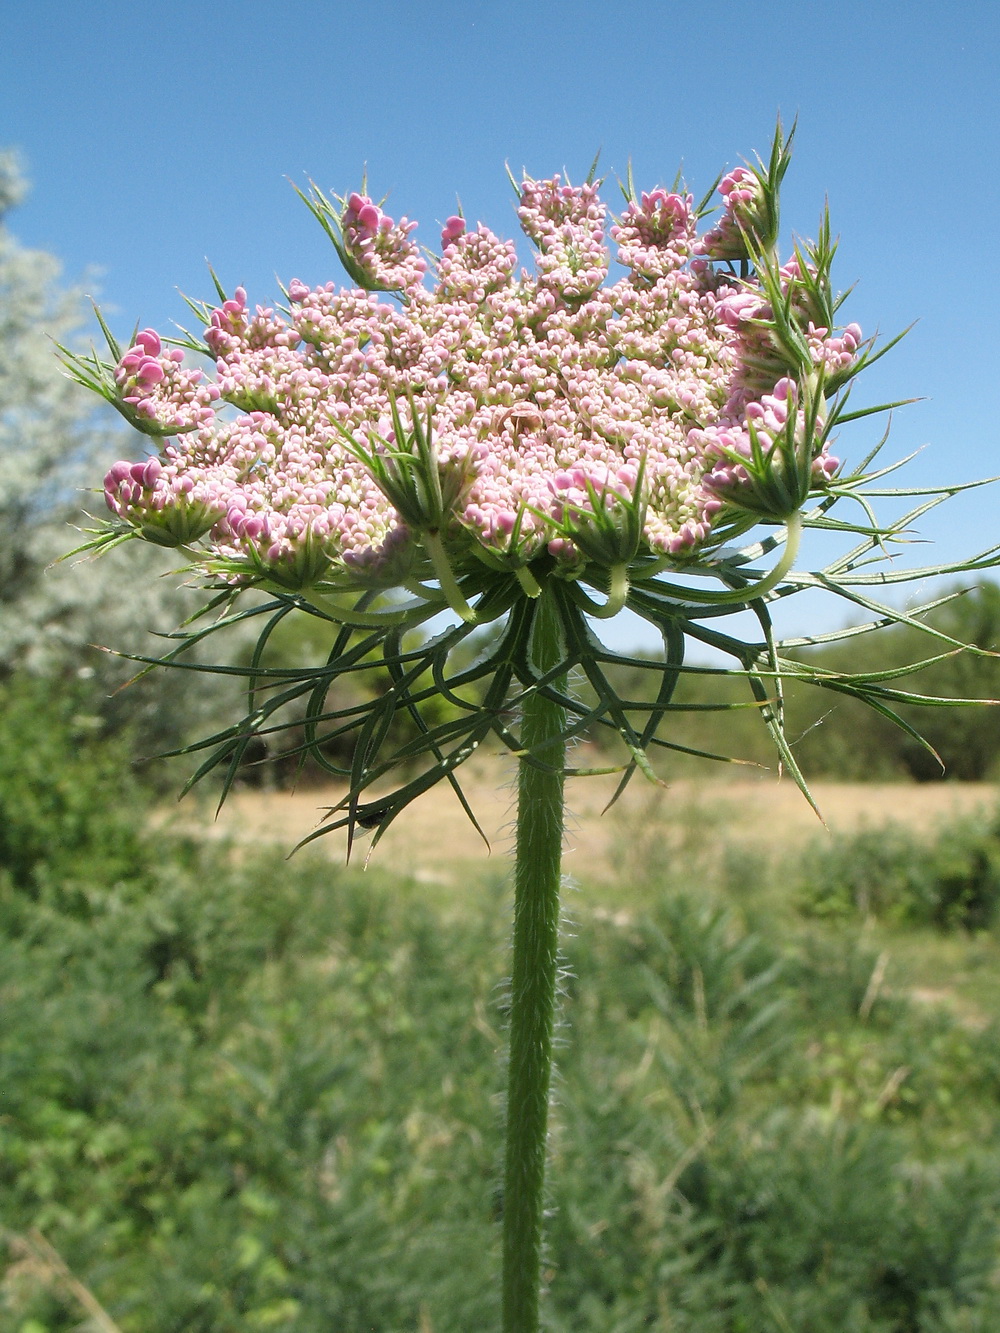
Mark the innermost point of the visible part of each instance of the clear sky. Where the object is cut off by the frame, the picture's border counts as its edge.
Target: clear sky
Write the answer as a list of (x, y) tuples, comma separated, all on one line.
[(158, 135)]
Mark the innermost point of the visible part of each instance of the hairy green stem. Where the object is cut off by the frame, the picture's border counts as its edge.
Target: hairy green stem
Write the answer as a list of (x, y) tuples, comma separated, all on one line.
[(793, 536), (747, 592), (533, 982)]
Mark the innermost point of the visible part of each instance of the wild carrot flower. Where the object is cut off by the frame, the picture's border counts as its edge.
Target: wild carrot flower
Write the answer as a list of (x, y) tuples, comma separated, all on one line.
[(550, 399)]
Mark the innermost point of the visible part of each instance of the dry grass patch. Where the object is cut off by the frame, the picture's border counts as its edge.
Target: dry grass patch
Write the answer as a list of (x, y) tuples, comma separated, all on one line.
[(434, 842)]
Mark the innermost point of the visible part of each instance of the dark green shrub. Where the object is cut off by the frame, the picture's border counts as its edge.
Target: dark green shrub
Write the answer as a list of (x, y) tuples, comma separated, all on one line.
[(838, 737), (966, 740), (892, 874), (70, 809)]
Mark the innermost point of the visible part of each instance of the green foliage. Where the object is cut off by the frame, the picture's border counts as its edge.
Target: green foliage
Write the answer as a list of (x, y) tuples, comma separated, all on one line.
[(242, 1093), (951, 879), (223, 1104), (68, 812)]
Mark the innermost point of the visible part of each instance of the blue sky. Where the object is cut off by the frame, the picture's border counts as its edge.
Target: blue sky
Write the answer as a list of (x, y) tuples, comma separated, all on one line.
[(157, 136)]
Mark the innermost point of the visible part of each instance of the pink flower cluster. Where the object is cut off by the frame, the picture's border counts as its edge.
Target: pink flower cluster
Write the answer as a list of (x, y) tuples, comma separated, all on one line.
[(766, 422), (656, 234), (171, 505), (550, 393), (380, 247), (158, 388), (762, 360), (742, 195), (567, 226)]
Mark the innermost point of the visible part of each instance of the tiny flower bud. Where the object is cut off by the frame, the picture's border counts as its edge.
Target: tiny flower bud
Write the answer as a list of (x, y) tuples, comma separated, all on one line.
[(452, 230), (151, 472), (149, 372), (149, 341)]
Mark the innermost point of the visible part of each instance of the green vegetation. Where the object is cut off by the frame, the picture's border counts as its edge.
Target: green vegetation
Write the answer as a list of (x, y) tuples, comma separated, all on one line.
[(894, 876), (245, 1093), (834, 736)]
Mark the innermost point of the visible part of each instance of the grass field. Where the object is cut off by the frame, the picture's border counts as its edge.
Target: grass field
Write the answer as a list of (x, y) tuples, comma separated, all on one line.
[(434, 841), (242, 1092)]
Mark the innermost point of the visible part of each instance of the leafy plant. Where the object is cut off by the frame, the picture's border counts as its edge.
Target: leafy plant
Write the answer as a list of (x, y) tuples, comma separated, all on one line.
[(951, 879), (68, 806), (534, 453)]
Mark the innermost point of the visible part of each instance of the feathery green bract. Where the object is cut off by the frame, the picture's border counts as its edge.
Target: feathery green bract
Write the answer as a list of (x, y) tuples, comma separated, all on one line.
[(482, 670)]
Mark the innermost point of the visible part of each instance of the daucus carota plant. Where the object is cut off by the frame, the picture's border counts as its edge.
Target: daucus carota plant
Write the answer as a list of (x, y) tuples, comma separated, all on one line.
[(532, 452)]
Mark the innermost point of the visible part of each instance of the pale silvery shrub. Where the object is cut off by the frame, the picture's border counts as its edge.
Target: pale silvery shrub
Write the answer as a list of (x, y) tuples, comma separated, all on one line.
[(51, 444), (46, 441)]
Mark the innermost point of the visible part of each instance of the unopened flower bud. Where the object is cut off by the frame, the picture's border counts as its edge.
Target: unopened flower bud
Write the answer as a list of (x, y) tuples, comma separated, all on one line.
[(452, 230), (149, 341)]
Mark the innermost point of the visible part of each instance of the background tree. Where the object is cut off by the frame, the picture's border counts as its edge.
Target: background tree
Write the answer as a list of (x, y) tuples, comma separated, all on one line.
[(52, 445), (966, 740)]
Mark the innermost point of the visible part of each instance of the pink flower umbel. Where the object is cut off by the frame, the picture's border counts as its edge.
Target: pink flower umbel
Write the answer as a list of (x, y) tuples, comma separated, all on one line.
[(551, 401), (465, 433)]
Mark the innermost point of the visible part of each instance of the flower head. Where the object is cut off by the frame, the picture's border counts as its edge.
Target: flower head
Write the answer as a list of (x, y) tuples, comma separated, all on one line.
[(380, 247), (491, 417), (501, 441), (656, 233)]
